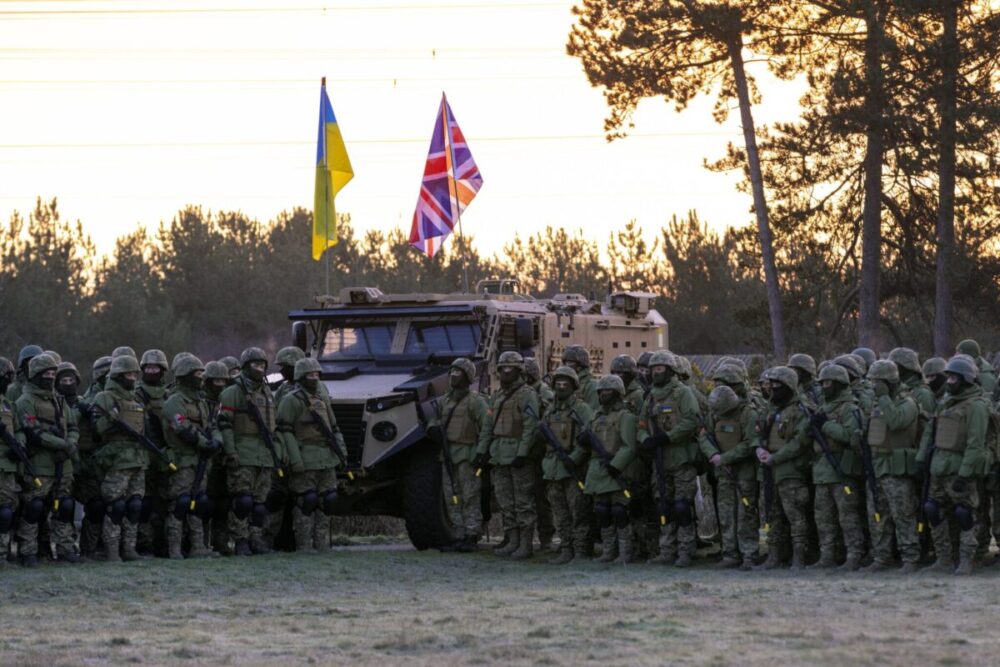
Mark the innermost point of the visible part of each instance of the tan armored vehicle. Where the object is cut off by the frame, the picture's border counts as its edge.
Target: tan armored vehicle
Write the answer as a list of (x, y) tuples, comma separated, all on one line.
[(385, 360)]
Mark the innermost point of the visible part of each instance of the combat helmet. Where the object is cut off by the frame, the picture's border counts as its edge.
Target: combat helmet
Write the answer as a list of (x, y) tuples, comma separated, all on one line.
[(466, 366), (100, 368), (905, 358), (188, 365), (723, 400), (154, 358), (123, 364), (511, 359), (252, 354), (884, 369), (867, 354), (964, 366), (934, 366), (306, 365), (576, 354), (216, 370), (783, 375), (568, 373), (612, 382), (531, 369), (803, 362), (624, 363), (729, 375), (969, 347), (836, 373), (123, 350), (27, 353), (289, 356), (67, 367), (850, 364)]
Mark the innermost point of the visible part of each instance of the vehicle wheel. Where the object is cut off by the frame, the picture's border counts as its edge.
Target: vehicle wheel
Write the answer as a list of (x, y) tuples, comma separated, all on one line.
[(427, 522)]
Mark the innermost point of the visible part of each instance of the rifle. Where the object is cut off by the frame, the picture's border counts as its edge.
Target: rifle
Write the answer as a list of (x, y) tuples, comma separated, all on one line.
[(449, 463), (331, 439), (560, 451), (925, 490), (138, 437), (715, 443), (21, 455), (602, 453), (818, 436), (265, 433), (764, 427), (496, 418), (869, 466), (57, 482), (658, 472), (204, 457)]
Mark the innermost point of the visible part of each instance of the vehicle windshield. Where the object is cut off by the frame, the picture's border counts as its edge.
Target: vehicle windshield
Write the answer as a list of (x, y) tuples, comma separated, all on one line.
[(431, 337), (359, 340)]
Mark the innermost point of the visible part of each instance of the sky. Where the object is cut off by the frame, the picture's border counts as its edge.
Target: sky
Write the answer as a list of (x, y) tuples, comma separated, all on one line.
[(129, 110)]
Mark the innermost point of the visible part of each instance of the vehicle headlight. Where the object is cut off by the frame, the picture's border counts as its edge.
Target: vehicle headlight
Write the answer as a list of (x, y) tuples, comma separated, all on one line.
[(384, 431)]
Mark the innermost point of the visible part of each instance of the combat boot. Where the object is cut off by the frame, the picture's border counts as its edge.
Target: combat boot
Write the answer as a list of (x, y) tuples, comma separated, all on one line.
[(513, 543), (772, 562), (111, 554), (940, 566), (908, 568), (199, 550), (29, 560), (683, 560), (242, 548), (852, 563), (607, 544), (304, 544), (663, 558), (798, 558), (174, 548), (563, 556), (526, 548), (507, 536), (826, 561), (129, 553), (626, 548), (258, 546), (468, 544), (747, 564), (964, 568), (875, 567), (728, 562)]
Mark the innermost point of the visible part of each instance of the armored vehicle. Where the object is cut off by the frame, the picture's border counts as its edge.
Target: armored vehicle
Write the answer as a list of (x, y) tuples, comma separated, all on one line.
[(385, 363)]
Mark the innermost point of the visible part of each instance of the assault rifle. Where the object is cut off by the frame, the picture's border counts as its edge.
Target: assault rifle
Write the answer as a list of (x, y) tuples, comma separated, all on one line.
[(869, 465), (715, 444), (925, 486), (138, 437), (658, 471), (764, 427), (331, 439), (265, 432), (449, 463), (602, 454), (554, 443), (21, 455), (824, 445)]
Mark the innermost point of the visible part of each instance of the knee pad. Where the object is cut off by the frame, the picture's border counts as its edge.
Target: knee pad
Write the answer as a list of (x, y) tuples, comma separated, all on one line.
[(682, 513), (258, 515), (932, 509), (620, 515), (6, 518), (242, 505), (116, 510), (308, 501), (182, 504), (329, 502), (965, 517), (145, 510), (275, 501), (133, 509), (93, 510), (34, 510), (67, 509), (602, 511), (203, 506)]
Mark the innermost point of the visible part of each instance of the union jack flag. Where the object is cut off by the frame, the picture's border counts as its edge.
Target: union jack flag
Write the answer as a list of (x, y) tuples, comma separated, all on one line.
[(451, 180)]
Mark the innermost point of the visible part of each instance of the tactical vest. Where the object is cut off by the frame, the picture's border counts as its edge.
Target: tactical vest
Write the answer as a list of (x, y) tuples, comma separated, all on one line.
[(951, 433), (606, 428), (461, 428), (563, 426), (510, 422), (882, 439), (195, 414), (729, 433), (244, 424), (45, 413), (132, 413), (154, 401), (305, 426), (665, 411), (7, 416), (782, 429)]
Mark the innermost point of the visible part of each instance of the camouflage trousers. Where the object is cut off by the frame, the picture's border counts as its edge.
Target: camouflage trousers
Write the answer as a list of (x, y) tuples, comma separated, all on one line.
[(948, 498), (121, 484), (738, 520), (570, 513), (680, 484), (467, 515), (838, 514), (645, 517), (151, 526), (63, 532), (312, 531), (546, 526), (179, 484), (897, 505), (279, 490), (256, 482), (985, 527), (789, 517), (220, 500), (86, 489), (9, 491), (515, 492)]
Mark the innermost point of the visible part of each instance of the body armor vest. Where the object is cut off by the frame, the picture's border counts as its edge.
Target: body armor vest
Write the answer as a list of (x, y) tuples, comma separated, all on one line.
[(461, 429)]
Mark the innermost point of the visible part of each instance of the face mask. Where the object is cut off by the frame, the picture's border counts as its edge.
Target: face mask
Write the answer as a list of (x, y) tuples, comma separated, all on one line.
[(830, 389), (457, 380), (152, 378), (5, 381), (660, 377), (739, 389), (214, 388), (765, 391), (44, 383), (780, 394), (311, 384), (955, 383), (67, 389), (563, 389), (508, 376), (936, 383), (626, 378), (287, 372), (255, 374), (127, 384), (191, 381), (607, 398)]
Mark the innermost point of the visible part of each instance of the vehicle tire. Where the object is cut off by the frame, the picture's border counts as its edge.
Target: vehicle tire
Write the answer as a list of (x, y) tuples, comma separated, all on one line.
[(427, 523)]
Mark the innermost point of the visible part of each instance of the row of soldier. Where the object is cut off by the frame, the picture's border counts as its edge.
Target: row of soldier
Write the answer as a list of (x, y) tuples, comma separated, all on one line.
[(152, 462), (857, 462)]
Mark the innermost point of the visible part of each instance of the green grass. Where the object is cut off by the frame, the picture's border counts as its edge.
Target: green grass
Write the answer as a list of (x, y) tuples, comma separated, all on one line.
[(374, 605)]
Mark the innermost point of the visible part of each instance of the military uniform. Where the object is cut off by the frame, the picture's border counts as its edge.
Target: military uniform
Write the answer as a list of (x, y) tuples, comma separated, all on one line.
[(152, 393), (216, 489), (587, 391), (9, 487), (87, 475)]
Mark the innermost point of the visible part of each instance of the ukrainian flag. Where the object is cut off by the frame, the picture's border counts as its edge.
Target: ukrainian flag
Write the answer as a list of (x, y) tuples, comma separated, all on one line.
[(333, 172)]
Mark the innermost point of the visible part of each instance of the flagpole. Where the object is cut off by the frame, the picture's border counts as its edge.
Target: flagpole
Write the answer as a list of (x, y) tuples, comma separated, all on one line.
[(326, 186), (454, 178)]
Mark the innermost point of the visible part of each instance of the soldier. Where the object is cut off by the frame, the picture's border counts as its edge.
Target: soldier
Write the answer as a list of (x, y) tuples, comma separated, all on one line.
[(50, 430), (247, 421), (215, 379), (642, 364), (892, 435), (24, 357), (577, 358), (121, 457), (544, 525), (570, 507), (805, 368), (856, 369), (613, 429), (280, 492), (624, 366), (233, 366), (315, 448), (463, 426), (192, 438), (987, 375), (513, 410), (152, 392), (936, 379), (732, 424), (285, 360), (782, 445), (686, 374), (958, 460), (668, 426), (867, 355), (8, 462), (123, 351), (911, 379), (87, 476)]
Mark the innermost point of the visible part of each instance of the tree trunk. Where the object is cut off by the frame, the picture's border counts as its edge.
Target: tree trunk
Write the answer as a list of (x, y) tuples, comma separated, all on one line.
[(871, 233), (759, 202), (947, 106)]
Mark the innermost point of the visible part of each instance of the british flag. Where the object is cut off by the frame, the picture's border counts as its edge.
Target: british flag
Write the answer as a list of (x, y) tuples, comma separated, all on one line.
[(451, 181)]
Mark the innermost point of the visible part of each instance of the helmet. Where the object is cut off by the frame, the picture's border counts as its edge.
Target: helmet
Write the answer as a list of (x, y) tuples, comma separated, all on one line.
[(306, 365), (728, 374), (55, 355), (27, 353), (803, 362), (884, 370), (40, 364), (123, 364), (6, 366), (963, 365), (231, 363), (624, 363), (850, 364), (784, 375), (252, 354), (123, 350), (722, 400), (155, 358), (187, 365), (67, 367), (643, 360), (176, 359), (511, 359), (934, 366), (867, 354), (662, 358), (578, 354), (733, 361), (466, 367), (969, 347), (531, 369), (683, 366), (216, 370), (101, 367), (613, 382), (905, 358), (568, 373), (837, 373), (289, 356)]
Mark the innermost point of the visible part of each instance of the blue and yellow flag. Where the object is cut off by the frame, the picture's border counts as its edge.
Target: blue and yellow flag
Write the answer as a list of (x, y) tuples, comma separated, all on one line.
[(333, 171)]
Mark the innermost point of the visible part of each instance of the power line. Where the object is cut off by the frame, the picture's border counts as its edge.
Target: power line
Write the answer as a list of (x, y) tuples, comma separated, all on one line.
[(279, 10)]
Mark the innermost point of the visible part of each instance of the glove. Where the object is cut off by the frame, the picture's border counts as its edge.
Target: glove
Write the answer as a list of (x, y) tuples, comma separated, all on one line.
[(232, 460), (614, 472), (481, 461), (881, 388), (297, 467), (188, 436), (818, 419), (583, 440), (649, 444), (519, 461), (210, 446), (436, 434)]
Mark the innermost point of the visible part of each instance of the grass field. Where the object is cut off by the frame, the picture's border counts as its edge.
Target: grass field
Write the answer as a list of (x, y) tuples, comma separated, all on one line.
[(390, 604)]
